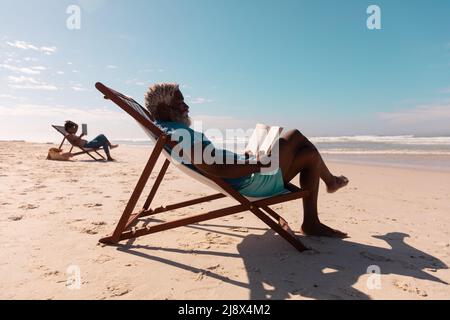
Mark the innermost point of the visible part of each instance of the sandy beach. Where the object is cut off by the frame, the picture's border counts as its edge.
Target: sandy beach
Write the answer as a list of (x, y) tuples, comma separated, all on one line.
[(53, 213)]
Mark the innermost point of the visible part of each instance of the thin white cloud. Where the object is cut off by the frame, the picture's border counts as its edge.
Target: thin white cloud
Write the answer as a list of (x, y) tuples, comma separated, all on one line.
[(424, 119), (201, 100), (60, 111), (60, 72), (9, 96), (40, 68), (78, 88), (419, 114), (45, 87), (22, 79), (20, 69), (23, 82), (31, 59), (28, 46), (136, 82), (110, 66), (48, 50)]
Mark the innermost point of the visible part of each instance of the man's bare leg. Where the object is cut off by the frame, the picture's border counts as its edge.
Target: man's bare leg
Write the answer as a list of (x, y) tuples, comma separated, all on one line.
[(309, 180), (299, 141), (307, 162)]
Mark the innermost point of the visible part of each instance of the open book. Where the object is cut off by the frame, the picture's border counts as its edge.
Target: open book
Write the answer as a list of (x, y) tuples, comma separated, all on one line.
[(262, 140)]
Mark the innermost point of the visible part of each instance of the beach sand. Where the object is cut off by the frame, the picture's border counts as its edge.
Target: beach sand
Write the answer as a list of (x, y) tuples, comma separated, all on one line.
[(53, 213)]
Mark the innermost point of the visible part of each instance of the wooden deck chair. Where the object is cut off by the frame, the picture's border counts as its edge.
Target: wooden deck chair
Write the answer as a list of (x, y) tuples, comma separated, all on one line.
[(126, 229), (87, 151)]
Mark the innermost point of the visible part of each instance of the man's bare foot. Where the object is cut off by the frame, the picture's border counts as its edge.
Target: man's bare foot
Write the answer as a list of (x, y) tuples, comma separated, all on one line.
[(321, 230), (339, 182), (113, 146), (110, 159)]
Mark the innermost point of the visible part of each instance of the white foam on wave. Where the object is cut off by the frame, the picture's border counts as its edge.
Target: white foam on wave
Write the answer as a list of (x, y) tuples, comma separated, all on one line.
[(386, 152), (405, 140)]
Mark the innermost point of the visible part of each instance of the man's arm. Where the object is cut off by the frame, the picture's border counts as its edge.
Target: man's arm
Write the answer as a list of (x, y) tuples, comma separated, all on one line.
[(223, 169)]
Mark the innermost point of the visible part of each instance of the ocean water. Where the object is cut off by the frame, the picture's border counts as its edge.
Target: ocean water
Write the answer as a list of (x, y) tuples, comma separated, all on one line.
[(431, 153), (406, 151)]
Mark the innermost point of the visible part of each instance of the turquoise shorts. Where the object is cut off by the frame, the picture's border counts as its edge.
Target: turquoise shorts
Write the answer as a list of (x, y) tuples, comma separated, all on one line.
[(260, 185)]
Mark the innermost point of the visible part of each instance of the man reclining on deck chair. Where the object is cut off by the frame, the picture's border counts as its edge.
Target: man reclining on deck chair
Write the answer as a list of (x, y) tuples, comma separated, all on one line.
[(296, 155), (99, 141)]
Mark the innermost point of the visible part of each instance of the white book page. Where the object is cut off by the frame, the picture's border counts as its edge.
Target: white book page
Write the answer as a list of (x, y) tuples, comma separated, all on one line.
[(256, 139), (270, 139)]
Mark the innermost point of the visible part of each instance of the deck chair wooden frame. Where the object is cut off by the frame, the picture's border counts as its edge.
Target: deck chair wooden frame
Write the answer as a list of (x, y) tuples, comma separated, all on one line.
[(125, 228), (87, 151)]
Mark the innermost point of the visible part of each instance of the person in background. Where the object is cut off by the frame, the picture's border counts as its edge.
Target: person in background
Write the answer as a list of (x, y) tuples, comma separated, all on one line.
[(99, 141)]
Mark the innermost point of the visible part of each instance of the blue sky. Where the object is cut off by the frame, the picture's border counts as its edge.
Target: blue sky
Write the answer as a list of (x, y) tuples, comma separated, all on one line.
[(311, 65)]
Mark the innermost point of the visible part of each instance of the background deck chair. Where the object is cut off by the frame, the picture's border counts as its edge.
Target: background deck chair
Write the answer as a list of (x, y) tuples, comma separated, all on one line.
[(126, 229), (87, 151)]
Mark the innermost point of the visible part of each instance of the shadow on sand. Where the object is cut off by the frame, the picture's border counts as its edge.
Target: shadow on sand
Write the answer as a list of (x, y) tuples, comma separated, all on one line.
[(329, 271)]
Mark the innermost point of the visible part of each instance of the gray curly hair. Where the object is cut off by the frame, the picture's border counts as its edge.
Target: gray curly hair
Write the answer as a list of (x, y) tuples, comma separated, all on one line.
[(160, 93)]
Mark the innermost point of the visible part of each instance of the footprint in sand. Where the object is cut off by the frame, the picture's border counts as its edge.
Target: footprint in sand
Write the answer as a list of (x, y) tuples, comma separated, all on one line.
[(75, 220), (28, 206), (94, 228), (217, 240), (208, 272), (117, 290), (54, 273), (92, 205), (200, 276), (239, 229), (103, 258), (99, 223), (89, 230), (215, 267), (409, 288), (15, 218)]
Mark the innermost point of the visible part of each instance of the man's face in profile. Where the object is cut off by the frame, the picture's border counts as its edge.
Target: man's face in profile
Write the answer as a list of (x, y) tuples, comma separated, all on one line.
[(178, 103), (180, 110)]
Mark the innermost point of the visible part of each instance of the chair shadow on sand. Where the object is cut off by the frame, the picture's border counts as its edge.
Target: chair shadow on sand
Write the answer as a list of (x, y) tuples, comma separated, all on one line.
[(289, 273), (329, 271)]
